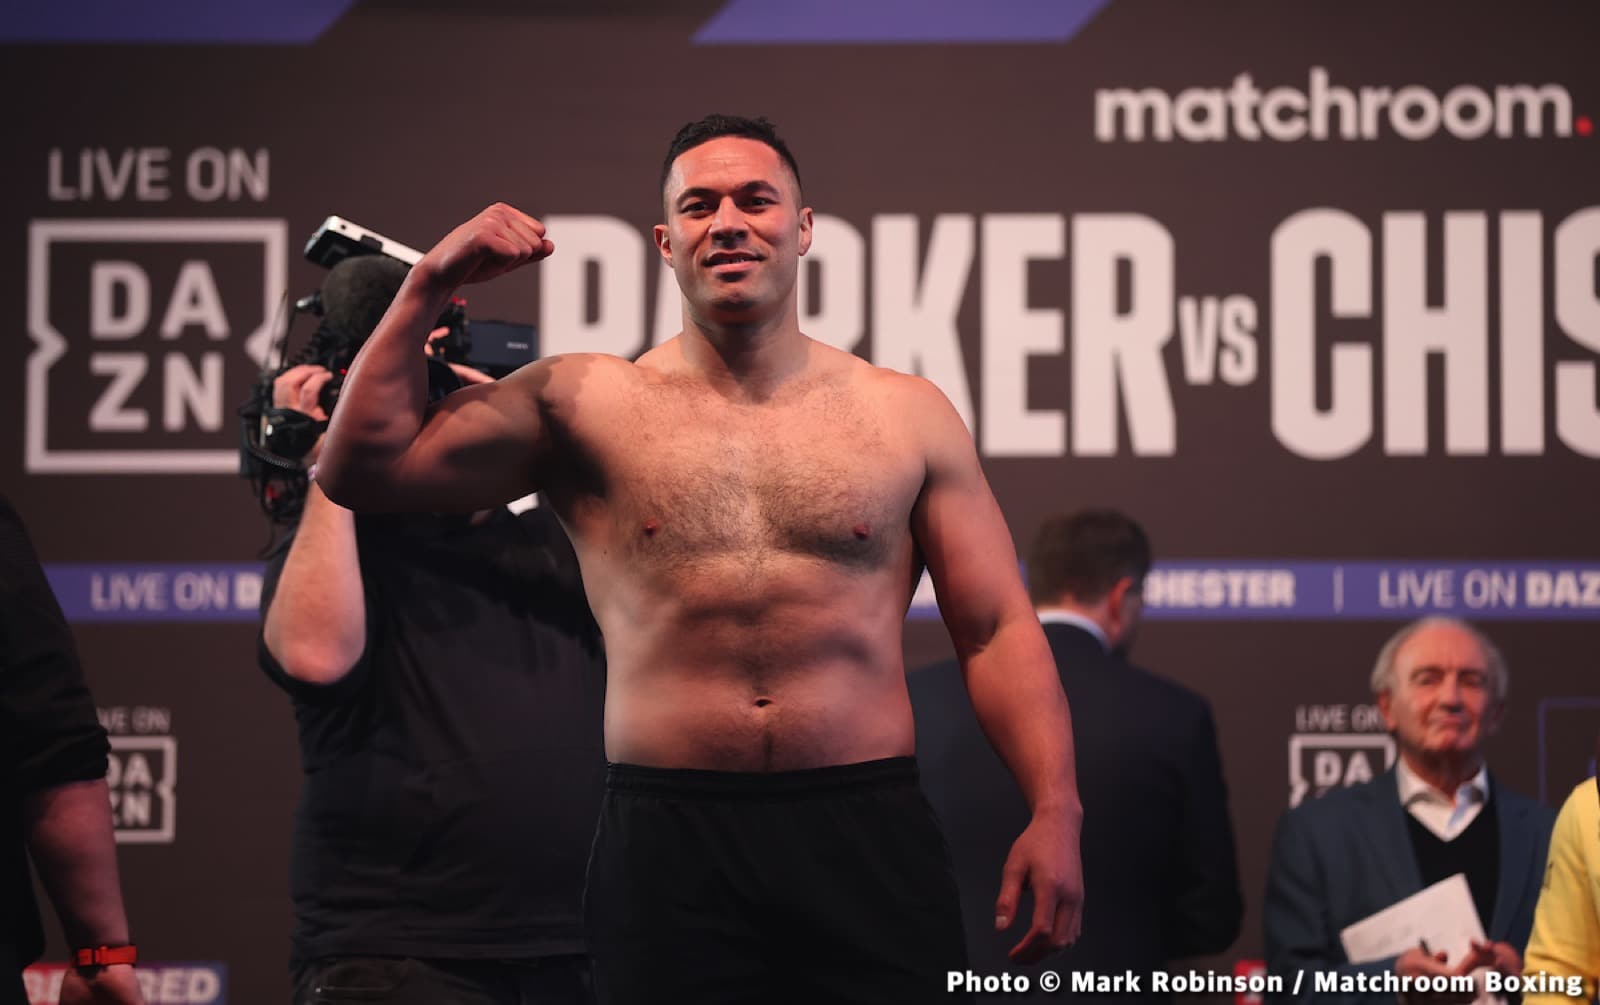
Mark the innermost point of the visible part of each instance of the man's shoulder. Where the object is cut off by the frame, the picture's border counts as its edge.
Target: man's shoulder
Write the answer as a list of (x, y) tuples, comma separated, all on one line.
[(1176, 707), (573, 366), (1166, 689), (1346, 803), (1514, 802), (897, 384)]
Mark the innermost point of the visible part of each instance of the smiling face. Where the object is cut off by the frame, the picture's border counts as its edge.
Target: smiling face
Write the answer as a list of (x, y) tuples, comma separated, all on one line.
[(735, 231), (1441, 702)]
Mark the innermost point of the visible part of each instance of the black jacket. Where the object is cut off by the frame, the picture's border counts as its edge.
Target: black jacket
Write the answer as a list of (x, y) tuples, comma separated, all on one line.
[(1160, 872)]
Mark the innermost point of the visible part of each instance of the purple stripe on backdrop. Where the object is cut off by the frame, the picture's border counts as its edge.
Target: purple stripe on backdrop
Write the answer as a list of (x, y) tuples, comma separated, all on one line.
[(1190, 590), (889, 21), (272, 22), (197, 591), (1267, 590)]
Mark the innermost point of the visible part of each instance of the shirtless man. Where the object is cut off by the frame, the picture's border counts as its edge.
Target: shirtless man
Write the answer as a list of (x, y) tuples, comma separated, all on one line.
[(751, 510)]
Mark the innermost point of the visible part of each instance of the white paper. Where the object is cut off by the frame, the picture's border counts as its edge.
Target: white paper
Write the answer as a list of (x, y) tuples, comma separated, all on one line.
[(1443, 916)]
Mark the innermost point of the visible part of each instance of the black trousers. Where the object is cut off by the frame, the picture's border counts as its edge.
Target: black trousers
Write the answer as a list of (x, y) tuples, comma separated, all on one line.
[(553, 980), (825, 885)]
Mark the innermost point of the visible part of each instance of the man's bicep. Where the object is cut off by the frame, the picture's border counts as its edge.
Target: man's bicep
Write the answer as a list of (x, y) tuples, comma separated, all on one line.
[(964, 539), (479, 447)]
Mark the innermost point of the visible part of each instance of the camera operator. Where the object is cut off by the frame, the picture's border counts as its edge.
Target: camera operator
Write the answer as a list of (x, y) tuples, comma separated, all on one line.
[(447, 679)]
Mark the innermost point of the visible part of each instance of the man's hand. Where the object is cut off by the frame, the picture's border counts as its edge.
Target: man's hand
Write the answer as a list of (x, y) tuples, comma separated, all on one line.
[(1503, 957), (494, 242), (1419, 962), (1045, 858), (300, 387), (113, 985), (466, 374)]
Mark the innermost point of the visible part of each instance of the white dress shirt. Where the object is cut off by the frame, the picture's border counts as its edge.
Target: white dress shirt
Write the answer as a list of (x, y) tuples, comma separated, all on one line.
[(1435, 810), (1062, 616)]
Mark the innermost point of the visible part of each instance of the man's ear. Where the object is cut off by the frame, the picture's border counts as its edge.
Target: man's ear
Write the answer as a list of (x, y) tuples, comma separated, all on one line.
[(1385, 708), (805, 230), (1117, 597), (1493, 725), (663, 242)]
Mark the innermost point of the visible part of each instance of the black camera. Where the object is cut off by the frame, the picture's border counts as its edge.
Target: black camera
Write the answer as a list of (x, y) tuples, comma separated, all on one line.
[(335, 352), (366, 271)]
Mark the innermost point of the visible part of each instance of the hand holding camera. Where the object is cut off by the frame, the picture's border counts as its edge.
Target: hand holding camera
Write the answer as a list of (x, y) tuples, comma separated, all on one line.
[(294, 424)]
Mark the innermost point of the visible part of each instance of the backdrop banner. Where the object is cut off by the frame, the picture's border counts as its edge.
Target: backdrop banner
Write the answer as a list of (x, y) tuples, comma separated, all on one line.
[(1311, 291)]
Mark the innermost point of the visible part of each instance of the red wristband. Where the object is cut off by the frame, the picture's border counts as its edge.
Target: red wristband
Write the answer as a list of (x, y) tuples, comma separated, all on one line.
[(105, 956)]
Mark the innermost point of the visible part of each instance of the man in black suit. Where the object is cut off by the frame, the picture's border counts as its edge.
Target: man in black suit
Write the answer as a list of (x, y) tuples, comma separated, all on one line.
[(1160, 871)]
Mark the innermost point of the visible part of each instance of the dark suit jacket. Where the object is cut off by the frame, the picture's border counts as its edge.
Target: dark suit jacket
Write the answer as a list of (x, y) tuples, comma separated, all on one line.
[(1344, 856), (1160, 875)]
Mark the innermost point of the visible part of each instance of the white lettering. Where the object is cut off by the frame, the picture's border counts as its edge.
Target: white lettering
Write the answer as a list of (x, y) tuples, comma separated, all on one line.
[(110, 413), (914, 321), (1458, 331), (1013, 332), (1113, 350), (1577, 244), (838, 259), (617, 253), (106, 281), (197, 393), (195, 301), (1299, 424)]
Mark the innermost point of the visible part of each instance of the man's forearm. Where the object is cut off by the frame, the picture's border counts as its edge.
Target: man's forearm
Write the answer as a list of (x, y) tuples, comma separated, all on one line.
[(1017, 697), (384, 397), (70, 839), (316, 624)]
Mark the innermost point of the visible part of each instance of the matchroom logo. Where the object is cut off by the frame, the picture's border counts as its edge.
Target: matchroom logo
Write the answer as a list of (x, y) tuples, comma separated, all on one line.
[(145, 332), (1326, 111)]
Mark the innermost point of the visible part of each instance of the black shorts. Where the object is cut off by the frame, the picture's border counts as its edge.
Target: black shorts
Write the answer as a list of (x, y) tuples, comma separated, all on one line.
[(825, 885)]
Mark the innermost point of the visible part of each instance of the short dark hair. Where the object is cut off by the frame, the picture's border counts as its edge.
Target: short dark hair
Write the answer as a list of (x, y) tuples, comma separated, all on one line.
[(1084, 554), (714, 126), (357, 292)]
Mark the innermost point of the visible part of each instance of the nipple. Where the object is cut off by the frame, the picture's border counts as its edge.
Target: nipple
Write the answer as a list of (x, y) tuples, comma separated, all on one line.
[(651, 526), (862, 531)]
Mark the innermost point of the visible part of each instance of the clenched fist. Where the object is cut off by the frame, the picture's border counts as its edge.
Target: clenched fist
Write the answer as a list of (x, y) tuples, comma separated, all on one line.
[(494, 242)]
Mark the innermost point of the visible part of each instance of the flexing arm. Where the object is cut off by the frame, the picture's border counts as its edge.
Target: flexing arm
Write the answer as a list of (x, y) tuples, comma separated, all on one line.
[(386, 450), (1010, 673)]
